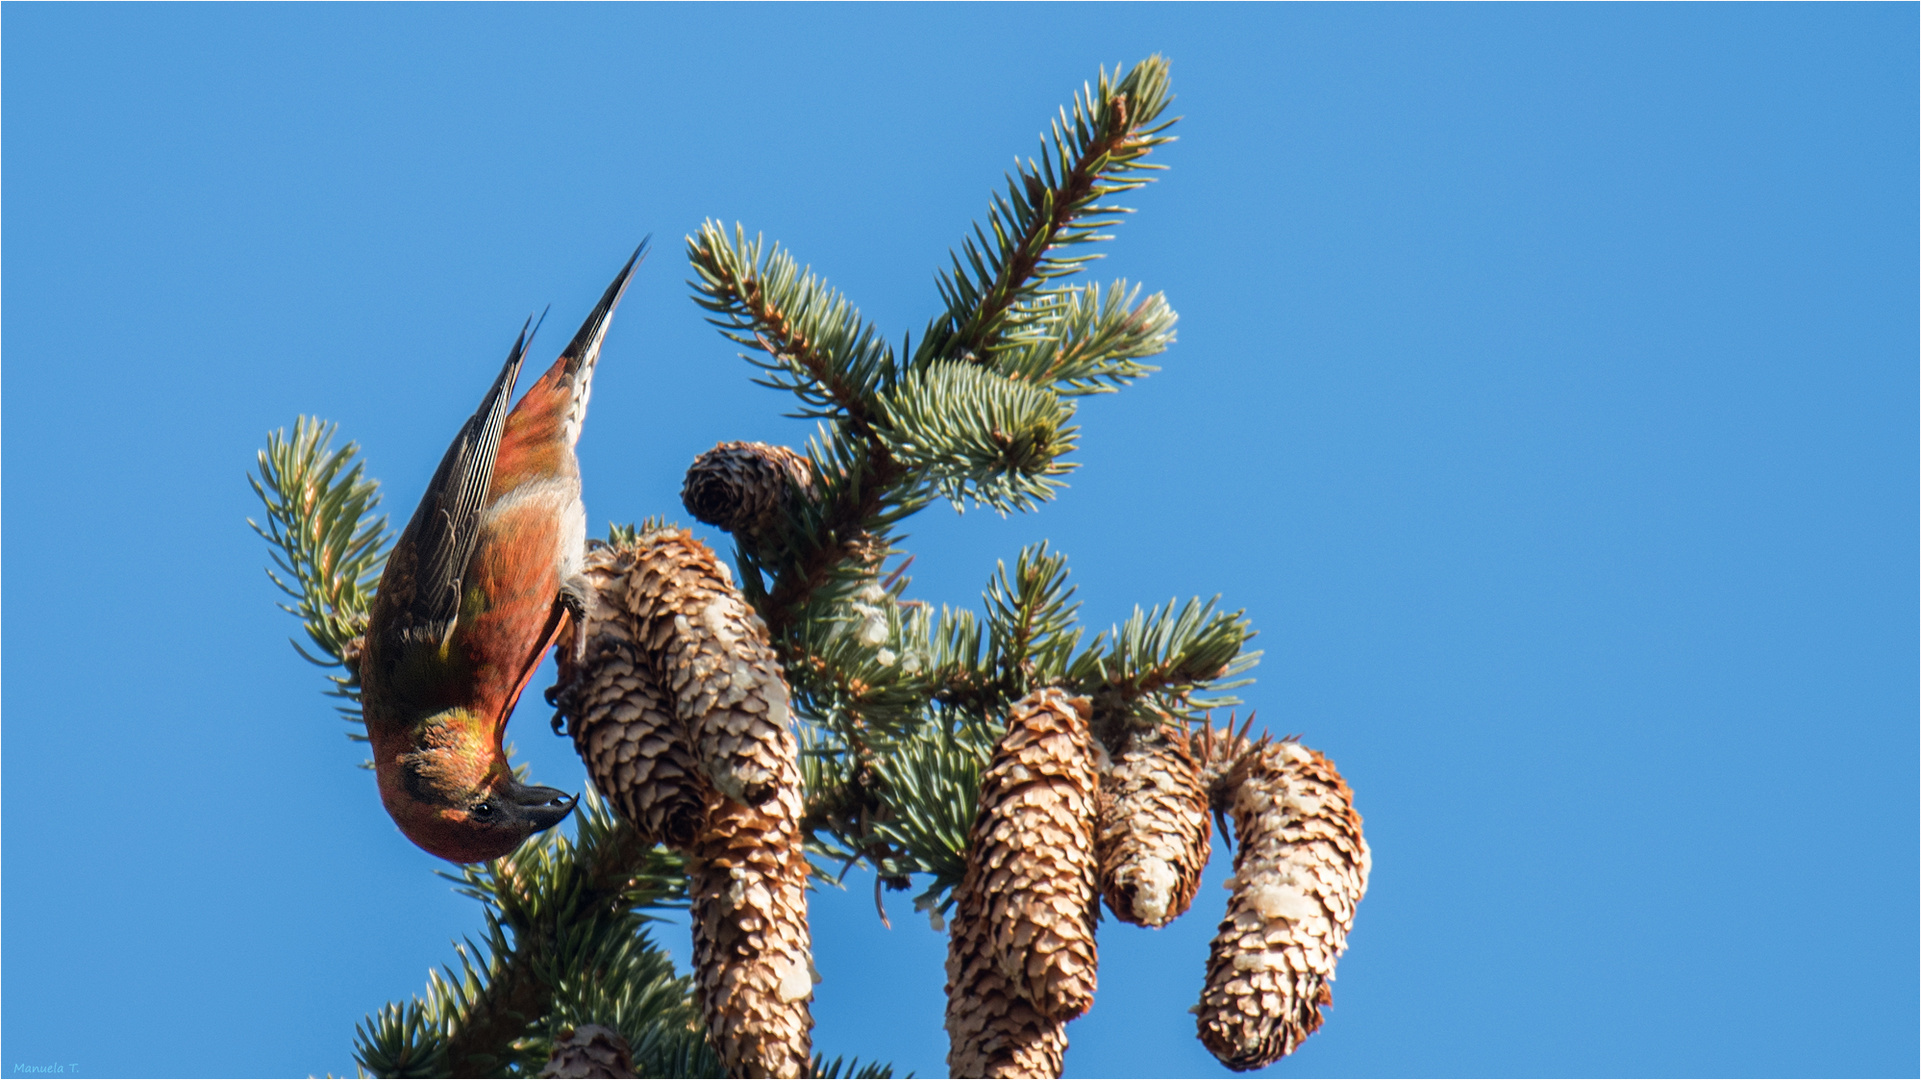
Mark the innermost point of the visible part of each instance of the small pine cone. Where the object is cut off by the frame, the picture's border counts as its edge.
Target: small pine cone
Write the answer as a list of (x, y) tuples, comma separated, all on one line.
[(1022, 947), (1151, 838), (590, 1051), (711, 653), (753, 962), (622, 720), (1301, 870), (743, 487)]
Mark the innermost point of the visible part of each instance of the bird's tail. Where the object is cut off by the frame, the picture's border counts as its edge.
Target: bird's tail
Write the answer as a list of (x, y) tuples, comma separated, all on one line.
[(584, 351)]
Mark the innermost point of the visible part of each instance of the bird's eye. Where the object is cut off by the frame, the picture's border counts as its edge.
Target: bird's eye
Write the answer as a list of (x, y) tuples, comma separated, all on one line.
[(483, 810)]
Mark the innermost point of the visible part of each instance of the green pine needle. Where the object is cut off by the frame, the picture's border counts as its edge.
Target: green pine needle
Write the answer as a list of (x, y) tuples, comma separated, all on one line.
[(555, 912), (999, 281), (330, 545), (1091, 341), (811, 340), (978, 436)]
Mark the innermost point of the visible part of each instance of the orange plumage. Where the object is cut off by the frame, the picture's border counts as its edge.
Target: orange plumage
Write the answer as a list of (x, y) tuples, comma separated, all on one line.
[(476, 589)]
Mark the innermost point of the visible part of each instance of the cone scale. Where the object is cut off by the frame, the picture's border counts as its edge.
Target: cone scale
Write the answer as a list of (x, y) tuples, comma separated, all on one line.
[(753, 966), (713, 658)]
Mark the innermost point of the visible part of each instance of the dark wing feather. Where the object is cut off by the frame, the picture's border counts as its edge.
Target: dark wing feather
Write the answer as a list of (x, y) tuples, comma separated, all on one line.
[(446, 525)]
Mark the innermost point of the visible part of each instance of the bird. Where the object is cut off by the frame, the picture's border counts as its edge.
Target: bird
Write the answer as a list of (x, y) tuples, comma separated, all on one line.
[(480, 583)]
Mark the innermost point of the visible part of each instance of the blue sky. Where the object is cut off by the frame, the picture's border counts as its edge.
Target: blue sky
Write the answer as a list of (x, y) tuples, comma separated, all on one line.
[(1545, 392)]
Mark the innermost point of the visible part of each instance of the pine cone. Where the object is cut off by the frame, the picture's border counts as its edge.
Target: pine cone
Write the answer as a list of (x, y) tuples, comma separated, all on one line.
[(1152, 835), (1021, 959), (743, 487), (590, 1051), (711, 653), (1301, 869), (674, 662), (624, 725), (753, 966)]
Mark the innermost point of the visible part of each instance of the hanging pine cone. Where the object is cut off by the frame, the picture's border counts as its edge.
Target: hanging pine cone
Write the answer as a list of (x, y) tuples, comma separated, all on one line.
[(711, 653), (1301, 868), (1151, 839), (743, 487), (1021, 960), (675, 663), (590, 1052), (753, 965), (623, 722)]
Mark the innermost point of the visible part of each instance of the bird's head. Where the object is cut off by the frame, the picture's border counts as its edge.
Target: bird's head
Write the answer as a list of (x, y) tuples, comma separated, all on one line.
[(456, 796)]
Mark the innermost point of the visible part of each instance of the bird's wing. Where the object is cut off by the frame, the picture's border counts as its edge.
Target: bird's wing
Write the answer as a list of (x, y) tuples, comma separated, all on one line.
[(446, 525)]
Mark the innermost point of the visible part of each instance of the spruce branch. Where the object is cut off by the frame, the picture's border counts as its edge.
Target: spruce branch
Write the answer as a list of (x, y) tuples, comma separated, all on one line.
[(976, 435), (850, 1068), (329, 544), (1168, 662), (1092, 341), (816, 346), (1030, 615), (814, 342), (929, 786), (402, 1041), (1026, 641), (998, 280), (905, 804), (553, 909), (839, 537), (630, 987), (898, 438), (854, 672), (837, 795), (959, 667)]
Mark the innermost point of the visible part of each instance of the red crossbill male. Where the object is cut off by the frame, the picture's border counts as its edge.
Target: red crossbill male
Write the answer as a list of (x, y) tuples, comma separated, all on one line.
[(476, 589)]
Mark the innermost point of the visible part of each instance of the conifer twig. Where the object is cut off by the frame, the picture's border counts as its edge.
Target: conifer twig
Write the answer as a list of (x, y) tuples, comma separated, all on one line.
[(1092, 153), (760, 299), (329, 543), (551, 908)]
